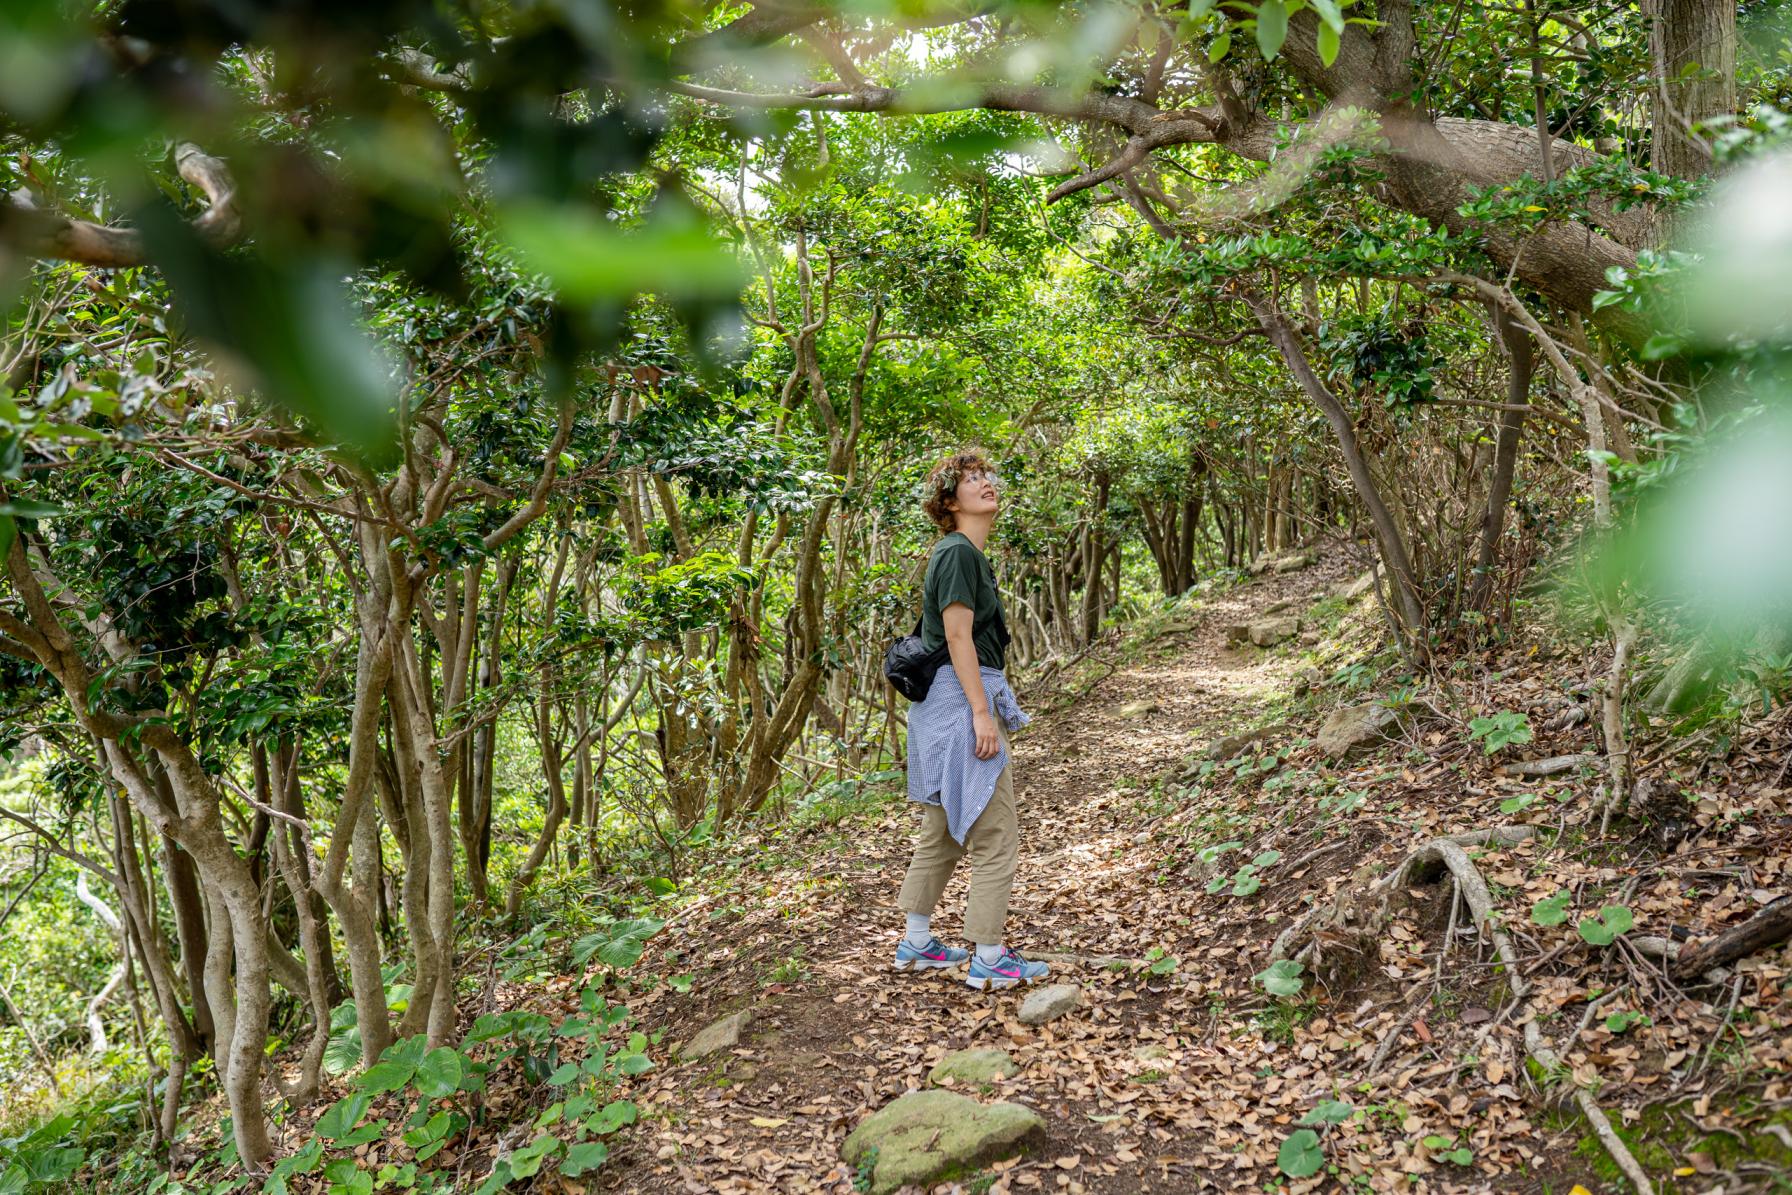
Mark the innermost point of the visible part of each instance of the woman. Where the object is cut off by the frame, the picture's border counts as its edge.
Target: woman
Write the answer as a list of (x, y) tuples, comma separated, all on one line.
[(958, 764)]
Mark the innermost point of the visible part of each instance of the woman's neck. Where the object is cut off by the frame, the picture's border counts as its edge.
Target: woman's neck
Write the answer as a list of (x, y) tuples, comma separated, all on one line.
[(975, 529)]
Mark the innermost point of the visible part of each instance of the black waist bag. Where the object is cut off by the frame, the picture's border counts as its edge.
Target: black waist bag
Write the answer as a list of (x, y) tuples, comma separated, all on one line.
[(910, 667)]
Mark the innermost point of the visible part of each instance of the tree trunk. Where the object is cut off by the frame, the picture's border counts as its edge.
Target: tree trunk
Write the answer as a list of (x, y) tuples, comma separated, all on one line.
[(1521, 360), (1402, 582), (1094, 557), (1692, 46)]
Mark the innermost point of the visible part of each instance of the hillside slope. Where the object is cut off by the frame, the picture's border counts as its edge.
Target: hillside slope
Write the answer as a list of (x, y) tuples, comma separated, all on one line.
[(1176, 1071)]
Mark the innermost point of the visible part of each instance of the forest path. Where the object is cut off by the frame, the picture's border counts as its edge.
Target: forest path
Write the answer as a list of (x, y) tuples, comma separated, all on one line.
[(1140, 1087)]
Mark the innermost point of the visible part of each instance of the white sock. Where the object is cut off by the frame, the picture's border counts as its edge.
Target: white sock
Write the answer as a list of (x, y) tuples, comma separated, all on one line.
[(989, 956), (918, 933)]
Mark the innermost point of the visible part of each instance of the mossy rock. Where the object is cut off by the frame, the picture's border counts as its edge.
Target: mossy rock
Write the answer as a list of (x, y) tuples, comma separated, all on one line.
[(976, 1067), (928, 1135), (1662, 1140)]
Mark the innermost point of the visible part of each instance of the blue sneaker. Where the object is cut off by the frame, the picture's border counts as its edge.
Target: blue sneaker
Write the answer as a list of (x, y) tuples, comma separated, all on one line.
[(936, 953), (1005, 972)]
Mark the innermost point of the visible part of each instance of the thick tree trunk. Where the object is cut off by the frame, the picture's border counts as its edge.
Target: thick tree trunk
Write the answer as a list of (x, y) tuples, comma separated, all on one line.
[(1692, 47)]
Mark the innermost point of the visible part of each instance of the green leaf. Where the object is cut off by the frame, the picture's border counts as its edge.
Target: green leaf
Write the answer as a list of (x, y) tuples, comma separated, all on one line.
[(361, 1136), (342, 1116), (1330, 13), (583, 1158), (1613, 921), (359, 1183), (563, 1074), (437, 1128), (1661, 345), (1220, 47), (1551, 910), (383, 1077), (497, 1180), (1514, 804), (590, 258), (305, 1160), (1282, 978), (1246, 882), (613, 1116), (27, 508), (411, 1050), (440, 1073), (343, 1053), (527, 1161), (1272, 27), (618, 945), (1265, 858), (1328, 1112), (1300, 1155), (1329, 45), (45, 1166)]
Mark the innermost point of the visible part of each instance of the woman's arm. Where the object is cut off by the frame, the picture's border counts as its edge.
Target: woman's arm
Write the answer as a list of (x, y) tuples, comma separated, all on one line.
[(957, 618)]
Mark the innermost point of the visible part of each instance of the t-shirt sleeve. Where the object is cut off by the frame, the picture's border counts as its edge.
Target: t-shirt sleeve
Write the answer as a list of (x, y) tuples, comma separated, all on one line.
[(955, 578)]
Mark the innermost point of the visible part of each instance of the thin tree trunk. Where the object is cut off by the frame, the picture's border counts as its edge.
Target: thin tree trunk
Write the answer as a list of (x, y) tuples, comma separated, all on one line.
[(1521, 359), (1402, 582)]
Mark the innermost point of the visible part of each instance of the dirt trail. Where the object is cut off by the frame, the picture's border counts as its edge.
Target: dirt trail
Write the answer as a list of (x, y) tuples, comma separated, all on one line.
[(837, 1034)]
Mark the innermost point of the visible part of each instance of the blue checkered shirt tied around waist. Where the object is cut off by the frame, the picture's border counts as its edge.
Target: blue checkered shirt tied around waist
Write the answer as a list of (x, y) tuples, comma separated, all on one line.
[(943, 768)]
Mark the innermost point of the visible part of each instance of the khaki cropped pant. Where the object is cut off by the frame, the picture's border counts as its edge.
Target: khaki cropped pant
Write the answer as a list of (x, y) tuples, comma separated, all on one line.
[(993, 843)]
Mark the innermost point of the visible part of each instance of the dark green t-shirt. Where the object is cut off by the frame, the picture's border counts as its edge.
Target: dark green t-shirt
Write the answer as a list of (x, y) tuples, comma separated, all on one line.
[(958, 572)]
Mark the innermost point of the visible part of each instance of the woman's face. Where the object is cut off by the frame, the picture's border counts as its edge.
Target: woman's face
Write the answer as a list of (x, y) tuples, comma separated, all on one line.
[(978, 493)]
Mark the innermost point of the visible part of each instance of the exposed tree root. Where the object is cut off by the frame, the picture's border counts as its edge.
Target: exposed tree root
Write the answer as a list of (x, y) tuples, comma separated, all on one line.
[(1449, 854), (1336, 913)]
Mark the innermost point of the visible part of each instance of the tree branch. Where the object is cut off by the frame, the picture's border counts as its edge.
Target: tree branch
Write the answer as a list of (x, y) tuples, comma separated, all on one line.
[(37, 233)]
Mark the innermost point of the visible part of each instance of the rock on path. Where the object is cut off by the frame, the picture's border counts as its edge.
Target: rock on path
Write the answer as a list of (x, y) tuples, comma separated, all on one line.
[(1049, 1003), (926, 1135), (717, 1036), (1356, 728), (975, 1066)]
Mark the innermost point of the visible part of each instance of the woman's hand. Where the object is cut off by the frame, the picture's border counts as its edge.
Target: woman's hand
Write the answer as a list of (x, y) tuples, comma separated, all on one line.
[(984, 726)]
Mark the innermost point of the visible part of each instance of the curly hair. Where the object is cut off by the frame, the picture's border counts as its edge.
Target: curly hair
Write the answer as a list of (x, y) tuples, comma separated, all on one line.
[(942, 485)]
